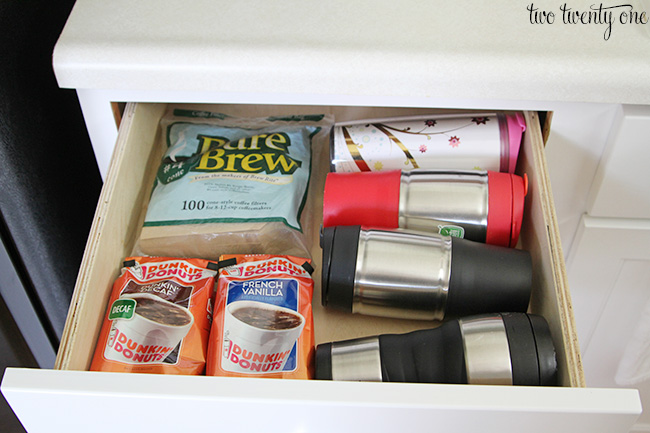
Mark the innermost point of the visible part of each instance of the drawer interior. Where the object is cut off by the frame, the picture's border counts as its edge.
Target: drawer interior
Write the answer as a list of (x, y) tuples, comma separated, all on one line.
[(122, 204)]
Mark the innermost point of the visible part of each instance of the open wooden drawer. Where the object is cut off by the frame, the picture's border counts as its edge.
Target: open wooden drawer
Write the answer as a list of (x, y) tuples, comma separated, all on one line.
[(71, 399)]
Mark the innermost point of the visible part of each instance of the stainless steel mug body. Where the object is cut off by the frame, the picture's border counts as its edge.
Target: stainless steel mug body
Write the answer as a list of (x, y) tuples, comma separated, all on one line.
[(447, 202), (390, 281)]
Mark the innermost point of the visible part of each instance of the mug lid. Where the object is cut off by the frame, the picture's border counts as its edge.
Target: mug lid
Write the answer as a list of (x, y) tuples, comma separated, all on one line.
[(506, 197), (340, 246)]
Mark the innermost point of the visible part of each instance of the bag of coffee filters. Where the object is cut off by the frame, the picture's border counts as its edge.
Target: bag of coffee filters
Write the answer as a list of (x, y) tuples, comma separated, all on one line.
[(158, 317), (263, 324), (232, 185)]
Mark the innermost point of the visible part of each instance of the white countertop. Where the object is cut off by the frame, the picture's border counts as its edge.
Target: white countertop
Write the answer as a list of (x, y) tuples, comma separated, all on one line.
[(407, 49)]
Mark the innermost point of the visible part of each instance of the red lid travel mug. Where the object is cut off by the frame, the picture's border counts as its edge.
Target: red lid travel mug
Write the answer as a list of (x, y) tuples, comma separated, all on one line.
[(482, 206)]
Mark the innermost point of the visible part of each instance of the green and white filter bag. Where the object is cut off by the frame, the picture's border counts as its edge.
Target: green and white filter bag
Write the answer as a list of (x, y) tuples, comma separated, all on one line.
[(232, 185)]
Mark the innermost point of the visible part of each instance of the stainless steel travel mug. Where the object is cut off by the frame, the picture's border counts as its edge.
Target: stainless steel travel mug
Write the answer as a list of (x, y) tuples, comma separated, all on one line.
[(415, 275), (482, 206), (497, 349)]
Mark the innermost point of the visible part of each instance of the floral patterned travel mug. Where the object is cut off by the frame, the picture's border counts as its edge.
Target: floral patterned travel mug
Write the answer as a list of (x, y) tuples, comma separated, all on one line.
[(484, 141)]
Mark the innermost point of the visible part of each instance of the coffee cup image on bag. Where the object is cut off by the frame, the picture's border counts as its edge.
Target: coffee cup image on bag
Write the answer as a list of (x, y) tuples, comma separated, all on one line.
[(146, 330), (258, 337)]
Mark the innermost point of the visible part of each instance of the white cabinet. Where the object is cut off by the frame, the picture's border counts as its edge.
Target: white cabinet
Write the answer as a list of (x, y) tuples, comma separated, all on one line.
[(621, 188), (395, 56), (609, 263), (349, 406)]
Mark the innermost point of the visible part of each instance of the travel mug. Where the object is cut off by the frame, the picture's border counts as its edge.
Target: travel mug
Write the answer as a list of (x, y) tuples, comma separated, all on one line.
[(482, 206), (497, 349), (484, 141), (415, 275)]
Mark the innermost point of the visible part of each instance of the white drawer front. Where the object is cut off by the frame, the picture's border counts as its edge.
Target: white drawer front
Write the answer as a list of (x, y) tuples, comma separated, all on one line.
[(49, 401)]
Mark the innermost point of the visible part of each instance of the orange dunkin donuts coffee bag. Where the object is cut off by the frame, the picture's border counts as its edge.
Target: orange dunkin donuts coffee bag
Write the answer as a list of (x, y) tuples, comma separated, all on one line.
[(158, 317), (263, 323)]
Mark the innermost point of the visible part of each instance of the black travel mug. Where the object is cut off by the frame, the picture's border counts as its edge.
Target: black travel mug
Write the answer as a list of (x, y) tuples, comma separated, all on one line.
[(498, 349), (413, 275)]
